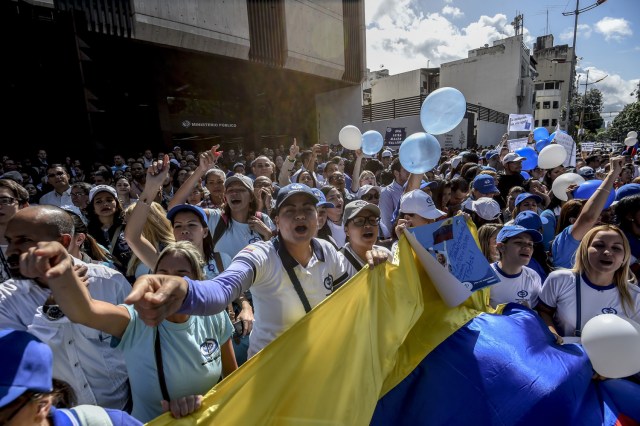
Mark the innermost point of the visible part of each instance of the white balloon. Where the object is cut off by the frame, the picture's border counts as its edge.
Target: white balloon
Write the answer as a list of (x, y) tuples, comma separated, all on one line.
[(350, 137), (613, 345), (562, 182), (632, 134), (630, 141), (551, 156)]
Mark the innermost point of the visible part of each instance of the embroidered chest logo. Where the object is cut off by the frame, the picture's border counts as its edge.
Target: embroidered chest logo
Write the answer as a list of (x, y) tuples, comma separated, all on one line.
[(328, 282), (210, 350), (609, 311), (523, 293)]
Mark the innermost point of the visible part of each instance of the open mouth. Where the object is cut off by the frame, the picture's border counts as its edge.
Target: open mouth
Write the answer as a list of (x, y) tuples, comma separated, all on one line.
[(606, 262), (235, 202), (367, 235), (301, 229)]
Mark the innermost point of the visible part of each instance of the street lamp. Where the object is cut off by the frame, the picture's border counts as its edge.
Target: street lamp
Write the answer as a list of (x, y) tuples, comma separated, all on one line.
[(576, 12)]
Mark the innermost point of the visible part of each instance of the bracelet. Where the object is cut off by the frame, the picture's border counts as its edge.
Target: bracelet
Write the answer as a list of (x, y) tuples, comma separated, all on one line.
[(602, 189), (293, 160), (143, 202)]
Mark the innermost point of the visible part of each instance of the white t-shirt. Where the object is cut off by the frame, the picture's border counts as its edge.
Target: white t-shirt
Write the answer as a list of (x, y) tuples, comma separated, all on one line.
[(559, 292), (338, 234), (238, 236), (523, 288)]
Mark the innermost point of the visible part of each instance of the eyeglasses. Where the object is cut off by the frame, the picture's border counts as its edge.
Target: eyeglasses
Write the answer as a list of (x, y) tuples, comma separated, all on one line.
[(7, 201), (362, 221), (367, 197), (56, 174), (78, 194), (339, 178)]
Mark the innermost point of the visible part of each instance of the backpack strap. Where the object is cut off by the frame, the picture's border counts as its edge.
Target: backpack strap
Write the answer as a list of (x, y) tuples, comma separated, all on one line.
[(221, 226), (218, 259), (351, 258), (578, 331)]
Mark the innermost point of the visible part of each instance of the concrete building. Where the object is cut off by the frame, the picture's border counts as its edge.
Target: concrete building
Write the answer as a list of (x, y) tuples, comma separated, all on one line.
[(379, 86), (499, 77), (122, 75), (552, 82)]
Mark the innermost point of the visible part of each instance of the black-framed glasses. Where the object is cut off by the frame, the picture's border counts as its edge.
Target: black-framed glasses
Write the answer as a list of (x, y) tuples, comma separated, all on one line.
[(7, 201), (78, 194), (367, 197), (362, 221), (56, 174)]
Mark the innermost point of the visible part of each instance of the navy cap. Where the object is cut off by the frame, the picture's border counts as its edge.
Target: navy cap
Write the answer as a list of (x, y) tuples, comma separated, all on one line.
[(526, 195), (291, 190), (514, 230), (530, 220), (485, 184), (627, 190), (489, 155), (322, 200), (187, 207)]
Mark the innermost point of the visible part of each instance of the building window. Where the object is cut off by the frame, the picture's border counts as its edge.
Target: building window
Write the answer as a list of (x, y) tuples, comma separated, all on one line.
[(546, 105), (536, 123), (554, 122), (537, 105), (556, 104), (549, 85), (545, 122), (539, 86)]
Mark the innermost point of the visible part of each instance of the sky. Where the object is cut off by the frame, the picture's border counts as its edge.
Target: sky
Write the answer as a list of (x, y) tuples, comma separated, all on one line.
[(404, 35)]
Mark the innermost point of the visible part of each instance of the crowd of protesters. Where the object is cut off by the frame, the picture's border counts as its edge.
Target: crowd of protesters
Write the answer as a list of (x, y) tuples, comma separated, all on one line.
[(245, 243)]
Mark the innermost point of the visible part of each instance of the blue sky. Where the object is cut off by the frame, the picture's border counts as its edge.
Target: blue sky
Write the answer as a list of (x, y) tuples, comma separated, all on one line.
[(407, 34)]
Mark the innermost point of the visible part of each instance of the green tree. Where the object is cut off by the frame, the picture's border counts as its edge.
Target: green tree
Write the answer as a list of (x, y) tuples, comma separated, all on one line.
[(589, 108), (626, 121)]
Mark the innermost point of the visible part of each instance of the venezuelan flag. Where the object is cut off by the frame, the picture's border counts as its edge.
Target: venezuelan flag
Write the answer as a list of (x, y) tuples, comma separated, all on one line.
[(386, 350)]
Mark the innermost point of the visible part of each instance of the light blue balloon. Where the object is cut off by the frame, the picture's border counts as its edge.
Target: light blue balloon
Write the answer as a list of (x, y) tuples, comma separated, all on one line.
[(420, 152), (531, 156), (540, 133), (443, 110), (542, 143), (525, 175), (372, 142)]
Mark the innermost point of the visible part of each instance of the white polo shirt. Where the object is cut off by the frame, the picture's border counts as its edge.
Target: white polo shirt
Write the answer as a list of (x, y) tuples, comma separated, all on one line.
[(559, 292), (277, 305), (82, 356), (523, 288), (55, 199)]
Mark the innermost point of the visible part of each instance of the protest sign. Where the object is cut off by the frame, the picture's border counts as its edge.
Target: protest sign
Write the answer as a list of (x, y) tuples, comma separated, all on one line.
[(517, 144), (520, 122), (451, 257), (394, 136), (569, 145), (587, 146)]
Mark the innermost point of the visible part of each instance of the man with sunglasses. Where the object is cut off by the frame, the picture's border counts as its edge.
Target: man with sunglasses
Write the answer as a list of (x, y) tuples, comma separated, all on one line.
[(518, 283), (57, 177), (338, 181)]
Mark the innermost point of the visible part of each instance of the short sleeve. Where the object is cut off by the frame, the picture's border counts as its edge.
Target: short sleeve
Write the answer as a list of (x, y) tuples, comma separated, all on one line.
[(256, 256)]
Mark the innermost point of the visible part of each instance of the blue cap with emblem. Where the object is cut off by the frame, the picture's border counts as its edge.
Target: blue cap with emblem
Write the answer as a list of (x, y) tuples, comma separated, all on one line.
[(322, 200), (171, 214), (292, 189)]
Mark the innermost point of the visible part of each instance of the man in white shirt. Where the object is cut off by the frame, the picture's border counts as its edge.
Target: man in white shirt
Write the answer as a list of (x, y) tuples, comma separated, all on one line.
[(83, 357), (391, 194), (57, 177)]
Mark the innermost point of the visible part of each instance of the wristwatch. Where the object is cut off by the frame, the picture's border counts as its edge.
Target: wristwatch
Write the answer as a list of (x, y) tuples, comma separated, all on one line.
[(52, 312)]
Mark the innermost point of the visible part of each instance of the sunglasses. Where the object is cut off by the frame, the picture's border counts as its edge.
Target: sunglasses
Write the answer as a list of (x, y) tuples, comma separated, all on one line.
[(367, 197), (362, 221)]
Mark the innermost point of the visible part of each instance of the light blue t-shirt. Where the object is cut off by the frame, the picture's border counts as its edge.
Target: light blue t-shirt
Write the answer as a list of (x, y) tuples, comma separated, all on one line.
[(238, 236), (564, 249), (191, 358), (548, 229)]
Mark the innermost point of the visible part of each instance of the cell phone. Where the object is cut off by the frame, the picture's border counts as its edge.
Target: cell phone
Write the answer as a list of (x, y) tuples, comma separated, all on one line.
[(324, 149), (238, 328)]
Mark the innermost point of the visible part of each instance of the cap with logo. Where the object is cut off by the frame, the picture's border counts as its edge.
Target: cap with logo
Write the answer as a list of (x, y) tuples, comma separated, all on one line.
[(525, 196), (587, 172), (486, 208), (491, 154), (485, 184), (420, 203), (512, 157), (171, 214), (244, 180), (102, 188), (292, 189), (322, 200), (510, 231), (352, 209), (27, 365)]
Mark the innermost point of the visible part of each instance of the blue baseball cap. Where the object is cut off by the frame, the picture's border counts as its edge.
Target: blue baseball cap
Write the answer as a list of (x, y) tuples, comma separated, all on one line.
[(322, 200), (187, 207), (291, 190), (525, 196), (485, 184), (489, 155), (513, 230), (530, 220), (27, 365), (627, 190)]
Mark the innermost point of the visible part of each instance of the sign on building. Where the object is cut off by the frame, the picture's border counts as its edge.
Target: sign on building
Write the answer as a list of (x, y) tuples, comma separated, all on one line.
[(394, 136)]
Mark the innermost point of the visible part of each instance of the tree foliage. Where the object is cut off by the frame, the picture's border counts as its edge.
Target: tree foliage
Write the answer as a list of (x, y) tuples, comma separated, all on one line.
[(626, 121), (590, 107)]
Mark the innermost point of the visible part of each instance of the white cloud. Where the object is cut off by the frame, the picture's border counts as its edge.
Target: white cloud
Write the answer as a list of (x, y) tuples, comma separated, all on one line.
[(613, 28), (448, 1), (584, 31), (616, 91), (454, 12)]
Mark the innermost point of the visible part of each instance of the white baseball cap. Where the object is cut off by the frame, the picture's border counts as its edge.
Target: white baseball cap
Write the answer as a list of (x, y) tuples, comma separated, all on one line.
[(486, 208), (365, 189), (420, 203), (387, 153)]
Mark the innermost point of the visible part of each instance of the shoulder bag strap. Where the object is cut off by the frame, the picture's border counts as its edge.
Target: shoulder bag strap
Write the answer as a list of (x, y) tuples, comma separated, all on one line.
[(219, 229), (351, 258), (218, 259), (578, 331), (294, 280), (160, 368), (114, 239)]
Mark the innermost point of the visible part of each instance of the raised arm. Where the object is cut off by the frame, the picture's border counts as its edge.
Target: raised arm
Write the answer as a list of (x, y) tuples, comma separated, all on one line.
[(146, 252), (355, 177), (53, 265), (284, 178), (594, 205), (208, 160), (414, 182)]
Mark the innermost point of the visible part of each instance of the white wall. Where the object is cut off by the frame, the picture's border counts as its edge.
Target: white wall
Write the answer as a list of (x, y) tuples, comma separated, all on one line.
[(336, 109), (404, 85), (490, 133)]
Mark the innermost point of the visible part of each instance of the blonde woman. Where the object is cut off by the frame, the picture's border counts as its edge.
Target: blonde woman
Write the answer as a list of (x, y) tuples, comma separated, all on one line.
[(600, 283), (487, 235)]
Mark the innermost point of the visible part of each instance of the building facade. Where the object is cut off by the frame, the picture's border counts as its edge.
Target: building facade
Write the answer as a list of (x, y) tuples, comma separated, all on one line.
[(126, 75), (554, 77)]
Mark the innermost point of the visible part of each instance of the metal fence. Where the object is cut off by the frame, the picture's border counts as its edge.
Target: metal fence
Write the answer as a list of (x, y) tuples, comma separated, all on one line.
[(408, 107)]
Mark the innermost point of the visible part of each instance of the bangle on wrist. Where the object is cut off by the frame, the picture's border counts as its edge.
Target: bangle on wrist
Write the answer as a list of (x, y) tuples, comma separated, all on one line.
[(602, 189), (293, 160)]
